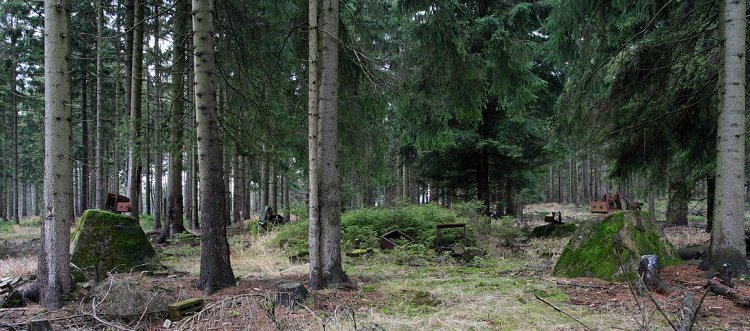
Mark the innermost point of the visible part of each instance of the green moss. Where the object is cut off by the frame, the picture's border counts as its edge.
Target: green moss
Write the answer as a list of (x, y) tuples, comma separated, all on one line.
[(592, 252), (110, 241)]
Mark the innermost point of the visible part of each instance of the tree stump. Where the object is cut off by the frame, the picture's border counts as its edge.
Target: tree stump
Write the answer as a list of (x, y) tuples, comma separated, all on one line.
[(648, 270), (726, 274), (288, 294), (42, 325)]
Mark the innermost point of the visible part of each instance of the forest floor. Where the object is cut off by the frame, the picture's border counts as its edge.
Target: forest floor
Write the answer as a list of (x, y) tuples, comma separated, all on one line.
[(398, 290)]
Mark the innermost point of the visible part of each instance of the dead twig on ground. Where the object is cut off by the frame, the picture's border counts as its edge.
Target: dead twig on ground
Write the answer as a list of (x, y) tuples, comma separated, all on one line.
[(562, 312)]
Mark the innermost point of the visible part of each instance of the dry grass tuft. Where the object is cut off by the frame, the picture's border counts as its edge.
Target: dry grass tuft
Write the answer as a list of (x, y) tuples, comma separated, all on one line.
[(255, 256), (123, 295), (21, 266)]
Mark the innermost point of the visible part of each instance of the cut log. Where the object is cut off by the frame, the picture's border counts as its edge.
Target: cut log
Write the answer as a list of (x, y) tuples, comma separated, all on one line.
[(42, 325), (289, 294), (182, 308), (685, 322), (692, 252), (726, 274)]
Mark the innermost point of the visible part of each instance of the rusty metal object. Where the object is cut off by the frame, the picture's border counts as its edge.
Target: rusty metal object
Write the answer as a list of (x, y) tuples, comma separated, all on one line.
[(388, 240), (608, 203), (117, 203), (440, 227)]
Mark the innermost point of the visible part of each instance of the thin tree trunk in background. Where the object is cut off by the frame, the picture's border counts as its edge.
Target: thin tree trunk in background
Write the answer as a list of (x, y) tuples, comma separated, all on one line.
[(53, 274), (287, 205), (215, 269), (264, 181), (174, 218), (236, 188), (14, 110), (245, 188), (569, 190), (147, 158), (274, 190), (559, 185), (227, 170), (84, 198), (159, 157), (550, 181), (677, 207), (585, 180), (194, 168), (136, 93)]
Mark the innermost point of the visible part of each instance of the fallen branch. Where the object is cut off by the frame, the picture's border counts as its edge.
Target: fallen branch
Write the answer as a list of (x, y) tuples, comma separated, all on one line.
[(561, 311), (728, 292)]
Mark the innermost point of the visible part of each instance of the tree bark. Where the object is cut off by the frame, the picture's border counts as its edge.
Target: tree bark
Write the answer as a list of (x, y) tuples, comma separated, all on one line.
[(215, 270), (158, 156), (175, 216), (14, 109), (677, 207), (53, 274), (236, 188), (99, 189), (136, 94), (274, 190), (727, 242), (84, 198), (710, 196), (314, 230), (330, 190)]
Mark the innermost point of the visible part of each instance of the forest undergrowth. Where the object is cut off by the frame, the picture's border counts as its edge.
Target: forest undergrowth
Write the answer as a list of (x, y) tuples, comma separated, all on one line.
[(411, 287)]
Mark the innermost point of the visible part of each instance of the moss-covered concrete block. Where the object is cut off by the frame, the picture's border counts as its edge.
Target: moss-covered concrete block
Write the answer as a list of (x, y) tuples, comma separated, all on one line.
[(597, 246), (105, 241)]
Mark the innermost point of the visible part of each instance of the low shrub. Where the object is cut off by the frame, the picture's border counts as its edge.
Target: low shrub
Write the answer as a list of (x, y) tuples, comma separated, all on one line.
[(362, 227)]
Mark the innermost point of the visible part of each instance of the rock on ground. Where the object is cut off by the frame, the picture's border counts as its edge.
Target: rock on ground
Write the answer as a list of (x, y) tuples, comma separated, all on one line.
[(107, 242), (603, 248)]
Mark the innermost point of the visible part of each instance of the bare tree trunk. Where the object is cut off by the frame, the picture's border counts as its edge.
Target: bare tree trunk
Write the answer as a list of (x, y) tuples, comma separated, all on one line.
[(677, 207), (216, 270), (14, 109), (274, 190), (314, 230), (99, 163), (330, 194), (727, 234), (53, 274), (264, 183), (175, 215), (237, 188), (134, 173), (159, 157)]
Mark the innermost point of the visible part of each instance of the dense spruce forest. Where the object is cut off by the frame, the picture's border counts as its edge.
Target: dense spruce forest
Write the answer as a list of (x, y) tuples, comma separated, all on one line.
[(374, 164)]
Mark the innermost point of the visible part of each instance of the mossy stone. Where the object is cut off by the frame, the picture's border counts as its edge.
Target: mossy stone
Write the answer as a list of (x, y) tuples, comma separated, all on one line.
[(599, 248), (105, 241)]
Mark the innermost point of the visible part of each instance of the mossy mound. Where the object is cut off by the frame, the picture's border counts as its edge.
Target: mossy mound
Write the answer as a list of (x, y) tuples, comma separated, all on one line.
[(105, 241), (553, 230), (592, 252)]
